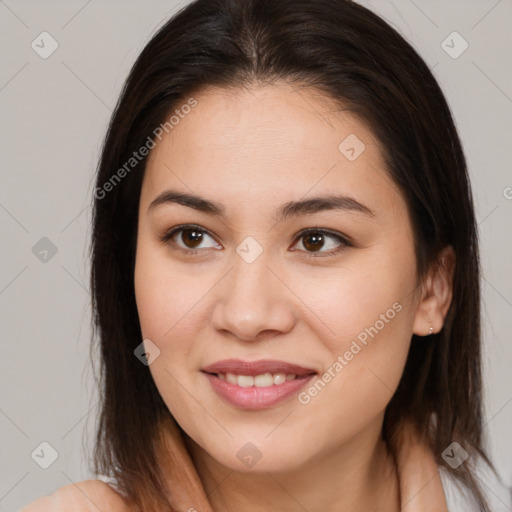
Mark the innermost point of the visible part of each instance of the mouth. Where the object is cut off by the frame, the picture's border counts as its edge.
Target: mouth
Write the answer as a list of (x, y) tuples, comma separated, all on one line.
[(256, 385)]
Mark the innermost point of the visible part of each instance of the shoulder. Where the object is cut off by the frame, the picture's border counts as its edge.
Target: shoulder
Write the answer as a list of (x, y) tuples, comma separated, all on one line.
[(85, 496)]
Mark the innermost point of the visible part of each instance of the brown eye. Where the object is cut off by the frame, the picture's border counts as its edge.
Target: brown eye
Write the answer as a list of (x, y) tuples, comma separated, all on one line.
[(321, 242), (191, 237), (313, 241), (188, 238)]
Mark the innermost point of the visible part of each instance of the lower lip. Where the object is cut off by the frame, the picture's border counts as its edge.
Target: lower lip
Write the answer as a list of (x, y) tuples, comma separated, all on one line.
[(254, 397)]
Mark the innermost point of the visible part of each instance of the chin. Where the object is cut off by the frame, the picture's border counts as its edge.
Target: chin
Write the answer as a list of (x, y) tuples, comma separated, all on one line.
[(259, 457)]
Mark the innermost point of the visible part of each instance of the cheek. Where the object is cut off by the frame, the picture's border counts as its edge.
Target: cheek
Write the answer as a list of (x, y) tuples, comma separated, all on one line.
[(167, 296), (371, 292), (167, 303), (366, 314)]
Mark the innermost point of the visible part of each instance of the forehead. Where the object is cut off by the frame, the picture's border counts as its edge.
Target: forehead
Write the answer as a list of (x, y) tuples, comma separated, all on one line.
[(266, 141)]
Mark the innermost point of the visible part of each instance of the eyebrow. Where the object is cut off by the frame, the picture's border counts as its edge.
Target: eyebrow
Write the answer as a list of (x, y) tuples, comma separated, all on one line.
[(289, 209)]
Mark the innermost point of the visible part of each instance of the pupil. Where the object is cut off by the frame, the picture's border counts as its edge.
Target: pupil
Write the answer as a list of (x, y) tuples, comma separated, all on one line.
[(191, 237), (314, 241)]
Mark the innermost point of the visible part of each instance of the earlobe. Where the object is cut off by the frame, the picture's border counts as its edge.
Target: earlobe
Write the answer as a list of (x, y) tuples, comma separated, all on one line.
[(436, 295)]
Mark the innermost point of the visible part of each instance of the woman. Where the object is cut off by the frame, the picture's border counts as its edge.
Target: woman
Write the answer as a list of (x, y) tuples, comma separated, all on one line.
[(285, 273)]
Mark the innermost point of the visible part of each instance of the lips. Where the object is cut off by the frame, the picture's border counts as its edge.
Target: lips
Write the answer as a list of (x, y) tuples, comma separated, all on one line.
[(253, 368), (258, 384)]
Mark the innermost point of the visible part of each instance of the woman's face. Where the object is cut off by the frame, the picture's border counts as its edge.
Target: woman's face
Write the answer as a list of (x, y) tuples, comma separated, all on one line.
[(242, 283)]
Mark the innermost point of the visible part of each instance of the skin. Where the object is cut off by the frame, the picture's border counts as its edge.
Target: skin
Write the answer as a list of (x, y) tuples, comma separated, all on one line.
[(252, 150)]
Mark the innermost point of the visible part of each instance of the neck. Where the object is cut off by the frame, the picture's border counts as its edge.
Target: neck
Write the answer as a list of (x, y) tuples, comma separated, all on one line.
[(359, 475)]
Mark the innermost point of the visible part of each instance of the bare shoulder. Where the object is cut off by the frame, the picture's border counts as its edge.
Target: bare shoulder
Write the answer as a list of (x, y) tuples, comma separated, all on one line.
[(85, 496)]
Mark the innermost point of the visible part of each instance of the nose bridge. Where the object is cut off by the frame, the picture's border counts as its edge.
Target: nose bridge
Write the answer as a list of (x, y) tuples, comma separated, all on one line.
[(252, 299)]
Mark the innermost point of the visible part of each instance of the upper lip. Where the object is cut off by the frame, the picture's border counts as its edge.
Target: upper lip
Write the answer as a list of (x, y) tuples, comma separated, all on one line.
[(239, 367)]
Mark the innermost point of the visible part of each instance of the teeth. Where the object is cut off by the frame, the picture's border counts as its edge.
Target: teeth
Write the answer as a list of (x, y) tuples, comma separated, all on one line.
[(260, 381), (263, 381), (245, 381), (231, 378), (279, 378)]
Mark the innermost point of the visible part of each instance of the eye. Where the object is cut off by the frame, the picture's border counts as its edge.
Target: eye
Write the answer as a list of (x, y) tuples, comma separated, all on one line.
[(321, 241), (188, 238), (315, 242)]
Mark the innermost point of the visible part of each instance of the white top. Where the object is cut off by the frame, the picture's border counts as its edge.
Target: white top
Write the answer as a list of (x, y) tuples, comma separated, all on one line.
[(460, 499)]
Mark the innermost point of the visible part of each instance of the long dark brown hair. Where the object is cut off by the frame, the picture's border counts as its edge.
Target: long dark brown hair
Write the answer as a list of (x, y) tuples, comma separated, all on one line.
[(351, 55)]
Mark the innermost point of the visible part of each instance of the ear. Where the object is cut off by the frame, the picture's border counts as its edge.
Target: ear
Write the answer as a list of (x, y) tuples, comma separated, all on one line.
[(437, 292)]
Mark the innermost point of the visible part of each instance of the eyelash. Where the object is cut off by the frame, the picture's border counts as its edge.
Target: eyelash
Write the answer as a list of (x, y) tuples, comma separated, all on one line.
[(344, 242)]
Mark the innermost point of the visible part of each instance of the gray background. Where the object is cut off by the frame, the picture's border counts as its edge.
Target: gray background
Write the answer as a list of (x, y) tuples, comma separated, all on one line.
[(54, 115)]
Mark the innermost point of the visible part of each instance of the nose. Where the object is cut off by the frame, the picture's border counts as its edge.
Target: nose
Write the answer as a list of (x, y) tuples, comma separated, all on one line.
[(252, 301)]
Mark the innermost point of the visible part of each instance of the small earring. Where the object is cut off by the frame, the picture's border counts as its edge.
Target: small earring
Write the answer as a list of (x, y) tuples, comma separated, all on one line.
[(430, 328)]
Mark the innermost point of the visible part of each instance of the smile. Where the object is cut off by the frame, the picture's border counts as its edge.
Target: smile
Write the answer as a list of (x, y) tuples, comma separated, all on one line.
[(260, 381), (256, 385)]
